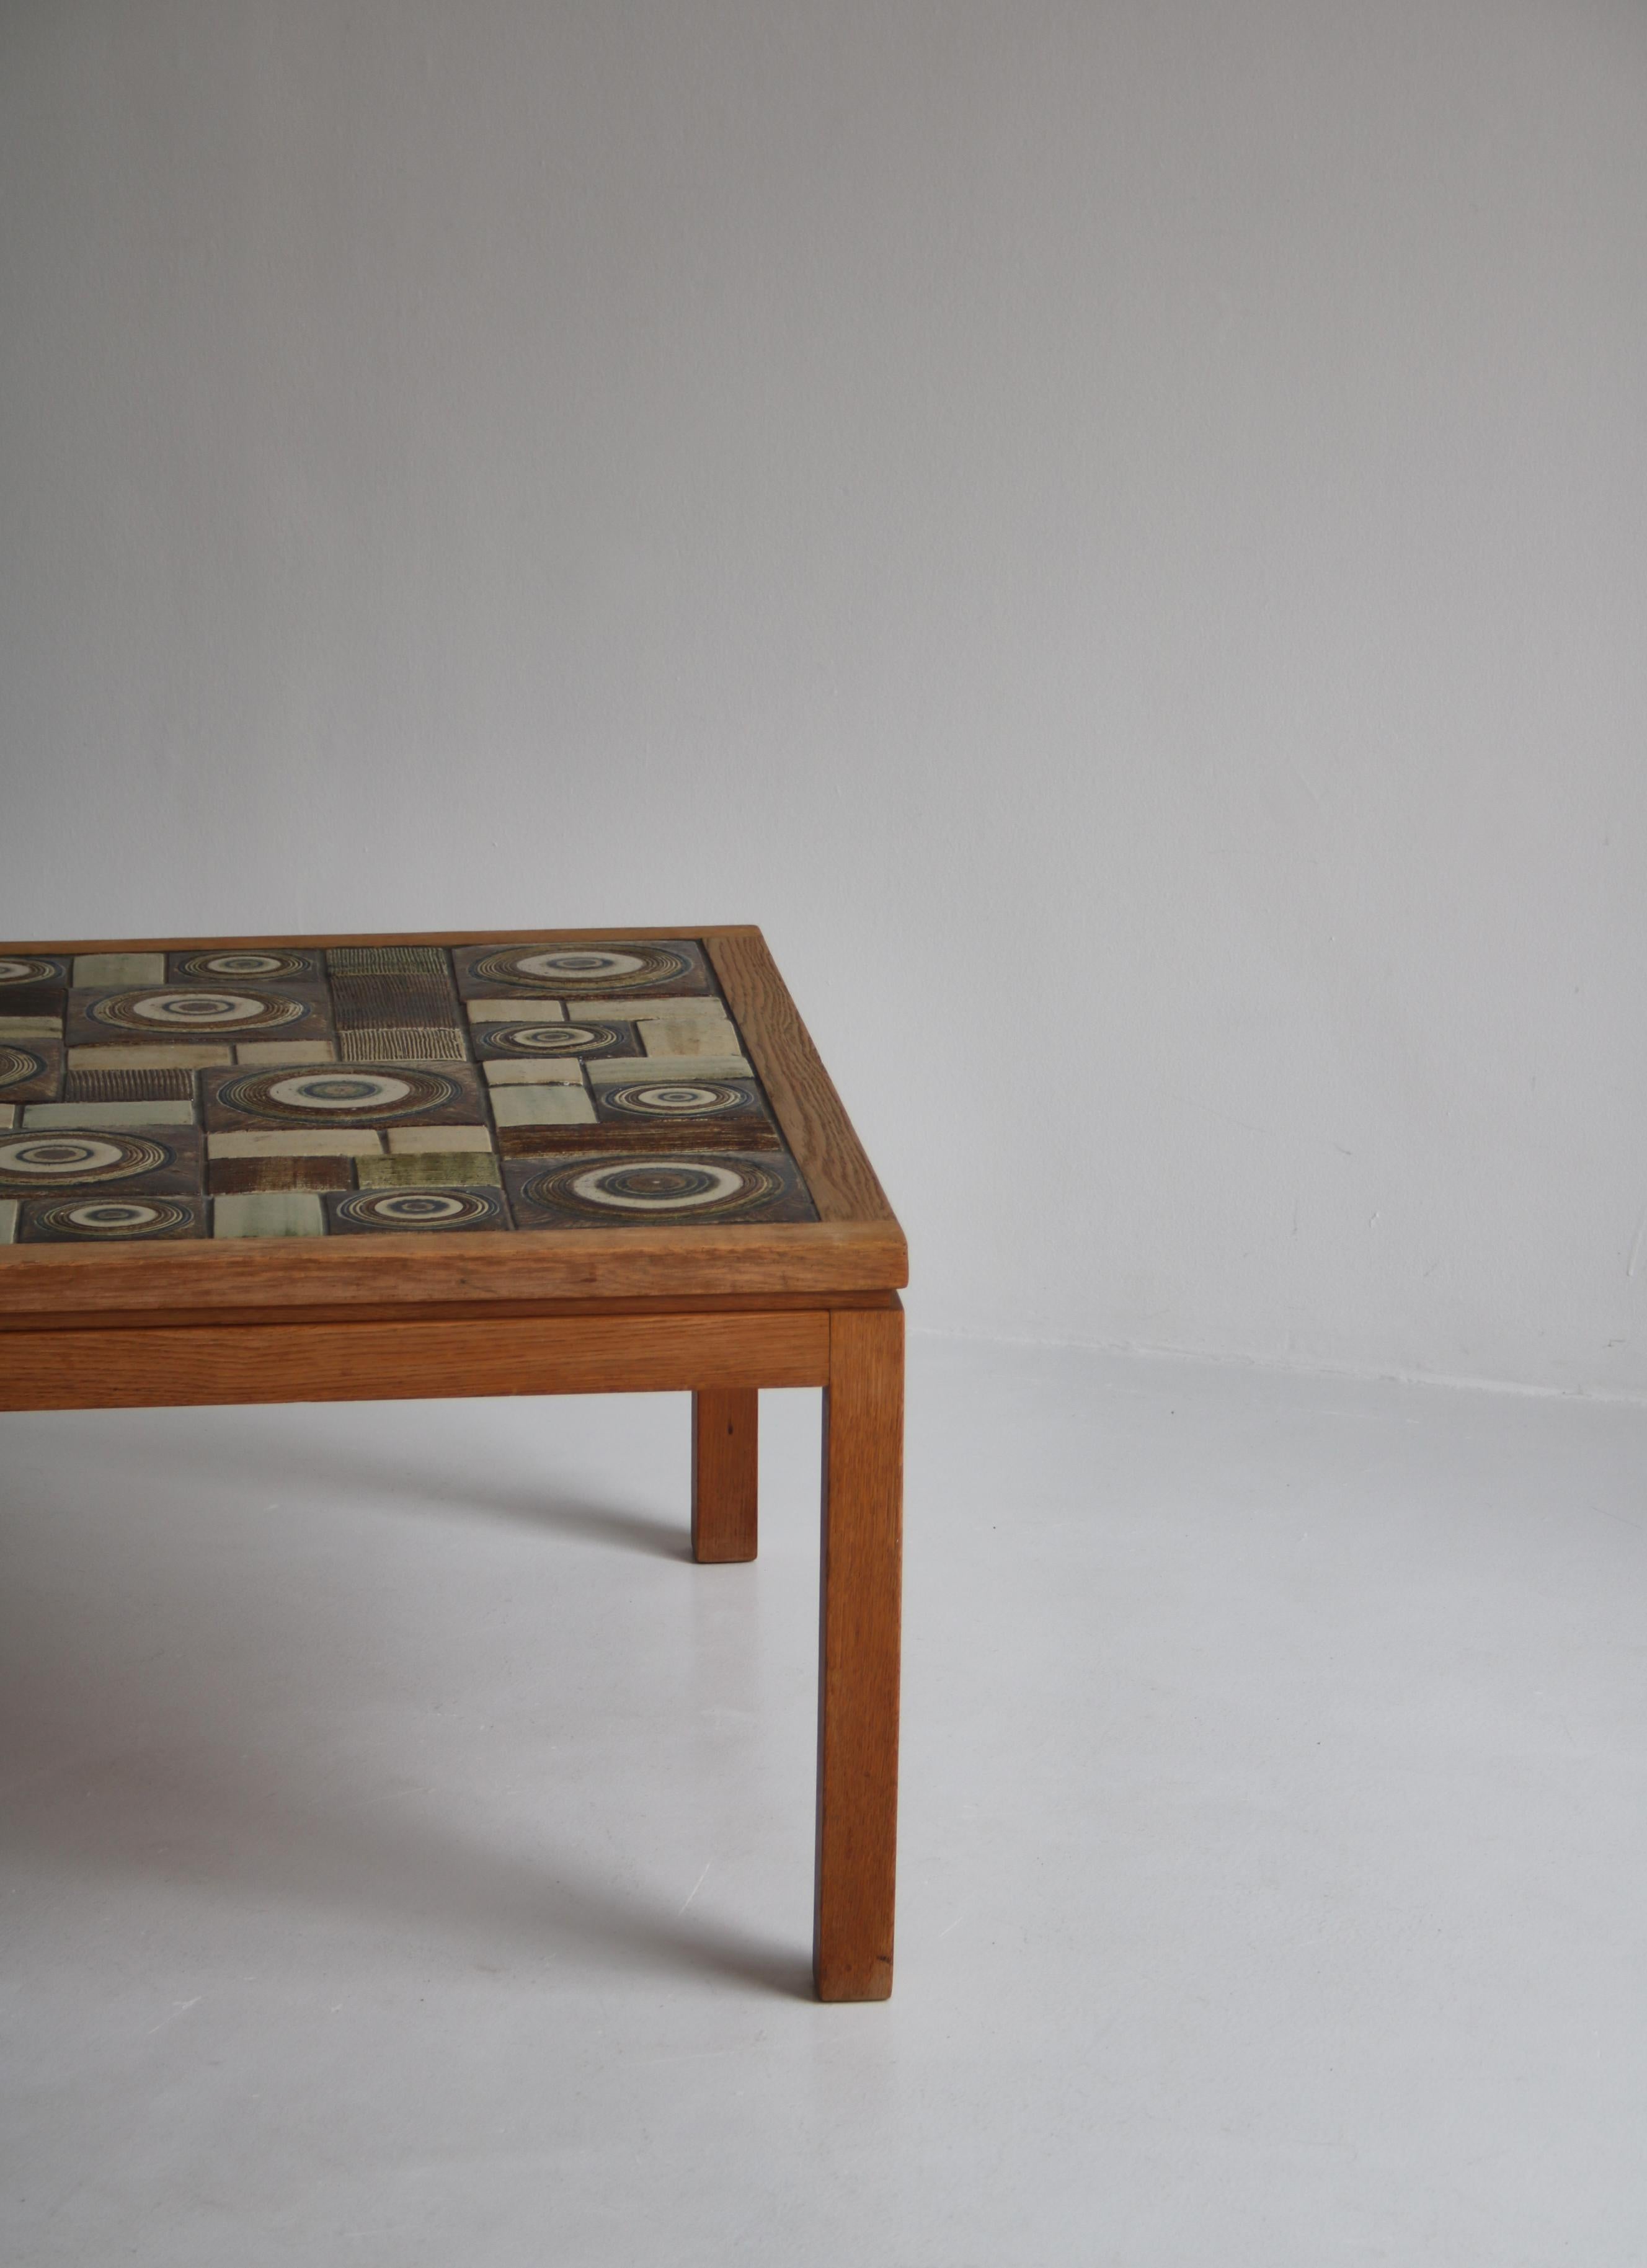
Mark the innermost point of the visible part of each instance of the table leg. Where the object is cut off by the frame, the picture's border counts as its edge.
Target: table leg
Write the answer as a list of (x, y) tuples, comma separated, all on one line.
[(725, 1460), (858, 1654)]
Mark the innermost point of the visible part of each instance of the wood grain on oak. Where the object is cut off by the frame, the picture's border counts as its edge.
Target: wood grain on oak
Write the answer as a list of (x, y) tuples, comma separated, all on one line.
[(725, 1474), (159, 1366), (858, 1657), (813, 1118), (406, 1270)]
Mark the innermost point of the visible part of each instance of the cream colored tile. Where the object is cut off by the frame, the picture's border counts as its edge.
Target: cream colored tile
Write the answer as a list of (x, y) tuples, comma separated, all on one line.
[(681, 1036), (516, 1012), (8, 1114), (111, 972), (530, 1070), (436, 1170), (31, 1027), (612, 1069), (424, 1141), (683, 1012), (323, 1142), (8, 1219), (542, 1106), (108, 1114), (283, 1054), (183, 1055), (626, 1011), (268, 1212)]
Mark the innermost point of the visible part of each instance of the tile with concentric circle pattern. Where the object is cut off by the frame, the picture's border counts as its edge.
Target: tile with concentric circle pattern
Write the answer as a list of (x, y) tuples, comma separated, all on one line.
[(152, 1094)]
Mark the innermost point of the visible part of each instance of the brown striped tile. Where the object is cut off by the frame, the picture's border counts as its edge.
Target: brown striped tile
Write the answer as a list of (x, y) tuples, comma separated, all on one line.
[(233, 1177), (156, 1085)]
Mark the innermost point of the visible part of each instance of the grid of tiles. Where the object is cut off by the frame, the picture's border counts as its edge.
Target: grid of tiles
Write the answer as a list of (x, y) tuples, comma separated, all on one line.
[(356, 1090)]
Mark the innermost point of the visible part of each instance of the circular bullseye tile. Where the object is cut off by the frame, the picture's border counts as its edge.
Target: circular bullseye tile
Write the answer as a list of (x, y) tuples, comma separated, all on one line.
[(653, 1188), (338, 1097), (13, 971), (550, 1039), (270, 968), (18, 1063), (573, 968), (340, 1090), (407, 1209), (44, 1163), (112, 1218), (202, 1011), (678, 1098)]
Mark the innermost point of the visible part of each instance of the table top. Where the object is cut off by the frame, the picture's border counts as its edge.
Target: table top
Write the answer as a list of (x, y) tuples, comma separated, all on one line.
[(263, 1120)]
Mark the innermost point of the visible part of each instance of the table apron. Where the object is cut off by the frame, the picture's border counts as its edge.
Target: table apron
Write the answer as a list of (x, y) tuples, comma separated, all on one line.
[(150, 1366)]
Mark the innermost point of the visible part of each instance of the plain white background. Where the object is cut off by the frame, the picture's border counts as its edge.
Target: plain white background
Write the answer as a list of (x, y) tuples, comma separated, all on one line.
[(1113, 530)]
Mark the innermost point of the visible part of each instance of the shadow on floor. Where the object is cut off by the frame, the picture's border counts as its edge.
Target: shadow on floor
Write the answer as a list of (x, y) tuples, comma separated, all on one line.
[(285, 1461), (158, 1756)]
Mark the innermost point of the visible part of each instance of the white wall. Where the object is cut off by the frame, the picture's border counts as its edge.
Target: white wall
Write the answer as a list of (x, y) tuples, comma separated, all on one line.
[(1116, 531)]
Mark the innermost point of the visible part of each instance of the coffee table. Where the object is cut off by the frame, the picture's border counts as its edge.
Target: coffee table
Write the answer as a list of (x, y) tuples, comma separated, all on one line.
[(320, 1169)]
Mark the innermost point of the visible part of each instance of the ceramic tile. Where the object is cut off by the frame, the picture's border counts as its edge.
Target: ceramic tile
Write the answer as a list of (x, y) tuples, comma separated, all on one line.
[(234, 965), (228, 1177), (234, 1014), (61, 1161), (401, 1043), (102, 971), (612, 1070), (676, 1039), (162, 1085), (729, 1111), (542, 1106), (622, 966), (614, 1135), (20, 971), (410, 1211), (454, 1168), (8, 1219), (187, 1055), (310, 1142), (109, 1114), (20, 1001), (400, 1015), (291, 1054), (536, 1041), (270, 1212), (685, 1009), (112, 1216), (388, 959), (354, 1089), (31, 1071), (630, 1191), (408, 996), (345, 1094), (532, 1070), (509, 1012), (423, 1141)]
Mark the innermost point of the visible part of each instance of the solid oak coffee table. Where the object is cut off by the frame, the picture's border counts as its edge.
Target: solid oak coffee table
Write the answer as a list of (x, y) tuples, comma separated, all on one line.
[(342, 1169)]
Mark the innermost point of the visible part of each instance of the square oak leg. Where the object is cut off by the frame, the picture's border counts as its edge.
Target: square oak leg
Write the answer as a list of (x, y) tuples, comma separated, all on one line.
[(725, 1472), (858, 1654)]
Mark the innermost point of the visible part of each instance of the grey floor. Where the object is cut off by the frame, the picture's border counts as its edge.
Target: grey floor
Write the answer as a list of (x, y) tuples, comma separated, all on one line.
[(408, 1849)]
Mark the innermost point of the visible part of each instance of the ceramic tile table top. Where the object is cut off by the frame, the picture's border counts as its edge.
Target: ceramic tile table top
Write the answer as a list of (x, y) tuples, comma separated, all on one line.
[(363, 1090), (333, 1168)]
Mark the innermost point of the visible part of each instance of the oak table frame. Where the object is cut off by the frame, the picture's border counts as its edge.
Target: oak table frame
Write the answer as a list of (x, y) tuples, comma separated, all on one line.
[(717, 1312)]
